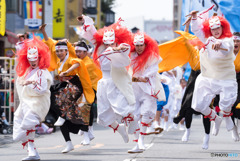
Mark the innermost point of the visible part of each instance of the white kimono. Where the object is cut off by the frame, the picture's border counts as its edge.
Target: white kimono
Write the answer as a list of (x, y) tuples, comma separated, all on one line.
[(217, 76), (115, 94), (147, 93), (34, 101), (115, 98)]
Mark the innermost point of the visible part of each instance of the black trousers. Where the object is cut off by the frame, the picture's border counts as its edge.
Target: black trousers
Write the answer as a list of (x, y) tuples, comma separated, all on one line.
[(188, 121)]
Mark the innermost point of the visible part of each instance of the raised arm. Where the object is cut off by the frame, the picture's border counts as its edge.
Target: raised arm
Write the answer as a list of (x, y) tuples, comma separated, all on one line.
[(88, 28), (43, 31), (196, 26)]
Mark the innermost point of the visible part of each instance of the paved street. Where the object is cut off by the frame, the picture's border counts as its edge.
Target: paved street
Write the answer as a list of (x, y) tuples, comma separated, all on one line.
[(108, 146)]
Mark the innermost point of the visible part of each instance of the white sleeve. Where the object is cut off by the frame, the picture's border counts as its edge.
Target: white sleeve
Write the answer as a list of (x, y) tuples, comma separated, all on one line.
[(118, 58), (196, 27), (151, 71), (88, 29), (41, 86), (228, 44)]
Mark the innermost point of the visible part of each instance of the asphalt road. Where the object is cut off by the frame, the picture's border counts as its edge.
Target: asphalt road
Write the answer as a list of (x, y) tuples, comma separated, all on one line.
[(108, 146)]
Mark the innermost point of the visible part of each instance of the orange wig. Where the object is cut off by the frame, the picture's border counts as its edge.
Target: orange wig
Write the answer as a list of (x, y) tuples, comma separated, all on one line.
[(43, 56)]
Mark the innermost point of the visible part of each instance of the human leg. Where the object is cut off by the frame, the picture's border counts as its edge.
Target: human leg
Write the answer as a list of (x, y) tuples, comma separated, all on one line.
[(66, 134), (207, 126)]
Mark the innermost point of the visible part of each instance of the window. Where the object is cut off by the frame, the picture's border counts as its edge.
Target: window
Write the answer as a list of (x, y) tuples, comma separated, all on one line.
[(11, 6)]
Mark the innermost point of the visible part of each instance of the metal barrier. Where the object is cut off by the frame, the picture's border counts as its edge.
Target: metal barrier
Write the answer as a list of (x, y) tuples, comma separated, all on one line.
[(8, 92)]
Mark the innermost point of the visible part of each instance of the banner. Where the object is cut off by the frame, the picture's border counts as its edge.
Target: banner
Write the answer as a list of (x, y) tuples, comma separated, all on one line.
[(231, 11), (32, 13), (2, 17), (198, 5), (58, 18), (227, 8)]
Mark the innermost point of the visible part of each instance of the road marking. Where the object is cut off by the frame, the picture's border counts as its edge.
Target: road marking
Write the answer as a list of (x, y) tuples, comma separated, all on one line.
[(78, 146), (130, 160), (97, 146)]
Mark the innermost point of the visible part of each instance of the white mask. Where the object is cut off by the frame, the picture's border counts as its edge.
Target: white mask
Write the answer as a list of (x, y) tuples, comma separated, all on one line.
[(109, 37), (138, 39), (214, 22), (32, 53)]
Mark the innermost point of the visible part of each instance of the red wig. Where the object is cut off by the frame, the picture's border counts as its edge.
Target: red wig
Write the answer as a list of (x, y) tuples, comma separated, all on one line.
[(43, 56), (151, 51), (226, 32), (122, 35)]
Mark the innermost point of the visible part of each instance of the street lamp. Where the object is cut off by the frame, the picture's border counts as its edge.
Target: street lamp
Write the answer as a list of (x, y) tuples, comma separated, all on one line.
[(110, 17)]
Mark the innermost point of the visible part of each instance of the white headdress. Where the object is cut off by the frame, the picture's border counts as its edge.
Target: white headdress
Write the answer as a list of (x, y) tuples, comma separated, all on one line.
[(32, 53), (109, 36), (138, 39)]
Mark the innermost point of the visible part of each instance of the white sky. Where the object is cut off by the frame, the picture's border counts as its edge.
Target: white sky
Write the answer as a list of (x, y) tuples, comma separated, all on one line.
[(134, 12)]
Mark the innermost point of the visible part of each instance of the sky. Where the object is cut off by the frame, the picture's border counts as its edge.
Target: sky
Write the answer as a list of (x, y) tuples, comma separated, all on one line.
[(134, 12)]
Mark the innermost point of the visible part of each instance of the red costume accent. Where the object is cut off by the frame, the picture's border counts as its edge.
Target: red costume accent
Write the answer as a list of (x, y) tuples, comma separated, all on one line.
[(114, 130), (24, 144), (127, 119), (30, 131), (142, 133), (151, 51), (144, 124), (227, 114), (43, 56)]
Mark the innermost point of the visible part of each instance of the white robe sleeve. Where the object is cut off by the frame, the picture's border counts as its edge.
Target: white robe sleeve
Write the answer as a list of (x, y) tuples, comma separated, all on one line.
[(152, 70), (227, 43), (41, 86), (118, 58), (196, 27), (88, 29)]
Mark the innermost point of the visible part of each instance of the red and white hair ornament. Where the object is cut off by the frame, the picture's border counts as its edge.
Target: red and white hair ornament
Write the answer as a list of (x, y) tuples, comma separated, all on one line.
[(109, 36), (32, 53), (236, 37), (214, 22), (61, 47), (138, 39)]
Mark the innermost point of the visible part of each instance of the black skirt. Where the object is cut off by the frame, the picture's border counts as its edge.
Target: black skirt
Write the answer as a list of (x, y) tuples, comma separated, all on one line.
[(66, 98)]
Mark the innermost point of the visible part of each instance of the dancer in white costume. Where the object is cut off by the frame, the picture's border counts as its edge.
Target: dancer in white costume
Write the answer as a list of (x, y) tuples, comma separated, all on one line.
[(115, 97), (217, 69), (171, 81), (33, 85), (146, 84)]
